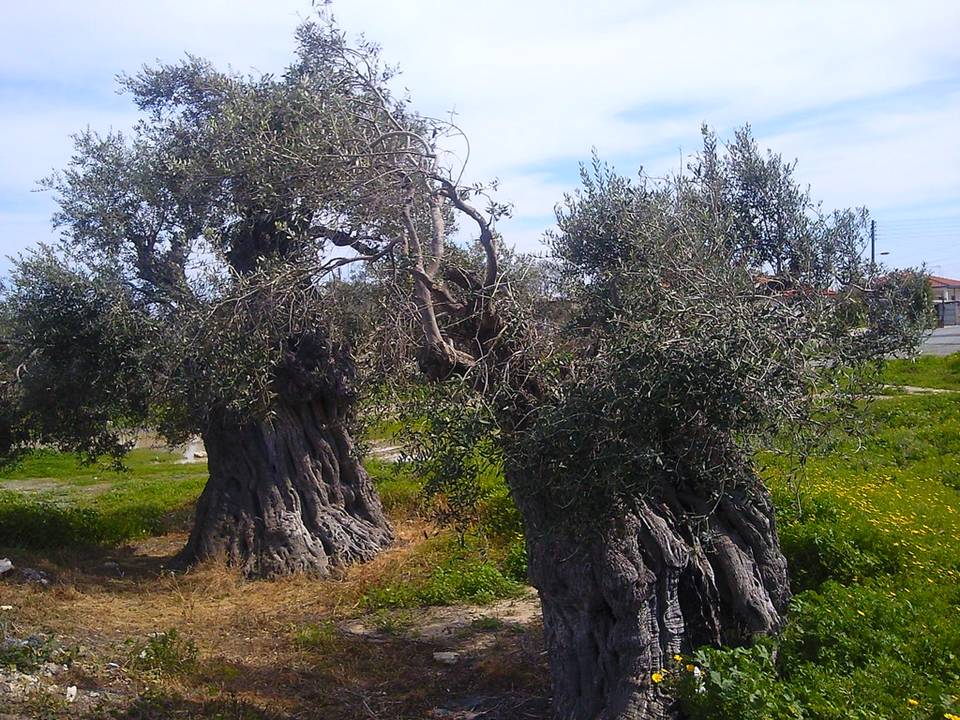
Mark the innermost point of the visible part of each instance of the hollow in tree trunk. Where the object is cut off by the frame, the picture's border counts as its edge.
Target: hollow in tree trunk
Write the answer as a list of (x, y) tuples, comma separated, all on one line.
[(286, 495), (619, 602)]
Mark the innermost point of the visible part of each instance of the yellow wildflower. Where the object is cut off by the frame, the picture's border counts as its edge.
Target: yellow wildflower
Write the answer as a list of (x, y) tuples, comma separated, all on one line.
[(913, 703), (951, 716), (678, 658), (691, 668), (658, 676)]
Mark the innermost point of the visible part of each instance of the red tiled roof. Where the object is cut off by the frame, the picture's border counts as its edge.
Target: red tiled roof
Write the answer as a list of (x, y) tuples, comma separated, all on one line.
[(937, 281)]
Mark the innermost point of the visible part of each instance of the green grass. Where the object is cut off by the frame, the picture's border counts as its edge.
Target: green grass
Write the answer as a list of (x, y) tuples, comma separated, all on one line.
[(446, 571), (320, 637), (400, 490), (925, 371), (50, 500), (383, 429)]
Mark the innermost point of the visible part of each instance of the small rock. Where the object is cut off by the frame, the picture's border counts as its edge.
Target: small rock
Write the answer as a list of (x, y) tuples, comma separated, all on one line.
[(199, 454), (71, 693), (112, 567), (447, 658), (5, 566), (35, 576), (6, 608), (358, 629), (35, 642)]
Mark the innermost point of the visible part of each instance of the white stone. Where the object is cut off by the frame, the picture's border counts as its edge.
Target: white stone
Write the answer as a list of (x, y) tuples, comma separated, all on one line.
[(447, 658), (71, 693)]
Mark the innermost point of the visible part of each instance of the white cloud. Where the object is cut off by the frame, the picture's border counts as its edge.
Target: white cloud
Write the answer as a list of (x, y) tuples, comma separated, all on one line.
[(536, 84), (898, 156)]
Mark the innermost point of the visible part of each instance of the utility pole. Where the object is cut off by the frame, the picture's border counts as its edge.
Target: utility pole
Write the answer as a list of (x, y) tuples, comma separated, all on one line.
[(873, 244)]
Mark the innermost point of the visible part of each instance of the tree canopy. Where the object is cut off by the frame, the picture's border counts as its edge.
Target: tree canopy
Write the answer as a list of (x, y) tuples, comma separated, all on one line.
[(194, 270)]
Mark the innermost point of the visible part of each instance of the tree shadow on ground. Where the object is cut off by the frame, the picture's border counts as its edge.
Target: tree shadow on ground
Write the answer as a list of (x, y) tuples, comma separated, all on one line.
[(354, 678), (103, 567), (167, 707)]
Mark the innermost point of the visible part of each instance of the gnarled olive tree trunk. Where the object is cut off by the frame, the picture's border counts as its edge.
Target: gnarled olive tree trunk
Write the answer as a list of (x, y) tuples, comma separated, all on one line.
[(286, 495), (619, 601)]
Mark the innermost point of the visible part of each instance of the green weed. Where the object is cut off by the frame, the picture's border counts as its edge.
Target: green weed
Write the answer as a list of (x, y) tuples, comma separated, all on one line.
[(317, 637), (820, 551), (395, 623), (28, 654), (400, 490), (462, 578), (165, 653), (487, 624)]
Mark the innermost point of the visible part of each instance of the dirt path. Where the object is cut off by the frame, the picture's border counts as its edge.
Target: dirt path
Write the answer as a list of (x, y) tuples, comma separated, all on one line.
[(914, 390), (462, 630), (385, 450)]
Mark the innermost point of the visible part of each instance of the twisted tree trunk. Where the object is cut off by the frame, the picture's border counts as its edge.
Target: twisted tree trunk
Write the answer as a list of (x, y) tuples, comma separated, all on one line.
[(286, 495), (620, 601)]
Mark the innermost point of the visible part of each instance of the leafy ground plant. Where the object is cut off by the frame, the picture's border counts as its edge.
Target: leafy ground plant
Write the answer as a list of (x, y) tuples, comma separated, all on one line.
[(458, 580), (874, 631), (29, 653), (165, 653)]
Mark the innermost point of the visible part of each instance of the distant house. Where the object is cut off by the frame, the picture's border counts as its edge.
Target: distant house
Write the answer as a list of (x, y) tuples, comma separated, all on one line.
[(946, 299)]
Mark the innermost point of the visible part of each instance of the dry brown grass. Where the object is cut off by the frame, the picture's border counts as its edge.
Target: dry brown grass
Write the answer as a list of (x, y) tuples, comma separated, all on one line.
[(251, 665)]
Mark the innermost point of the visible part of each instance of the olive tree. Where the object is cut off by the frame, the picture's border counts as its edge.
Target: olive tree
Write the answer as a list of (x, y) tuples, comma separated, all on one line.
[(699, 319), (193, 291), (717, 313)]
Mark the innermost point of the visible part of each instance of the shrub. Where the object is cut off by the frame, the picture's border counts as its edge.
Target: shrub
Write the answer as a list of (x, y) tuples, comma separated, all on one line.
[(28, 654), (165, 653), (515, 561)]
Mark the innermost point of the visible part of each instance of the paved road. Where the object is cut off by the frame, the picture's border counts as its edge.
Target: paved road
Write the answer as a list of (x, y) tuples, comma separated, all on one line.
[(942, 341)]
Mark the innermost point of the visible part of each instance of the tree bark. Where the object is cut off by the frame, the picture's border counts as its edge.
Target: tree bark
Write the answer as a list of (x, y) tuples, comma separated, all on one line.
[(286, 495), (621, 600)]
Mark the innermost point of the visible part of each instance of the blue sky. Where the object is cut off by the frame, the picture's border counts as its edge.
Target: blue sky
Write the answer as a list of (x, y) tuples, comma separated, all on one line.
[(866, 95)]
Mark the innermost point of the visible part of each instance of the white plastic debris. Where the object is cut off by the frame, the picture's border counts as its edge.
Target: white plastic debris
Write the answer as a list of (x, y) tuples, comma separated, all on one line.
[(6, 608), (71, 693), (5, 566)]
